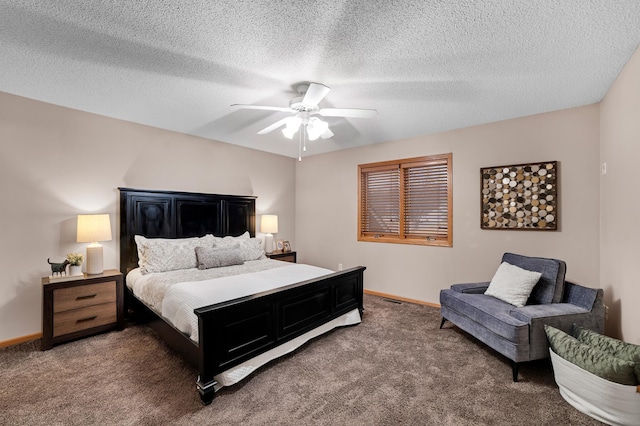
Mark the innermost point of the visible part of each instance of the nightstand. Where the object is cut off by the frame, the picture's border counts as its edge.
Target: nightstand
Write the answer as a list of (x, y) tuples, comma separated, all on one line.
[(289, 256), (81, 307)]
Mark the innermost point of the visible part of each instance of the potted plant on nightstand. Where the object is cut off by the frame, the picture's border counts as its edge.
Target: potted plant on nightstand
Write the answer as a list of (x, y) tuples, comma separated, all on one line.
[(75, 263)]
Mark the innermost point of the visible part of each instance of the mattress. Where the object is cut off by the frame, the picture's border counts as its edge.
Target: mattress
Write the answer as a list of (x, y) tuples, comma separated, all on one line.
[(151, 288), (176, 294)]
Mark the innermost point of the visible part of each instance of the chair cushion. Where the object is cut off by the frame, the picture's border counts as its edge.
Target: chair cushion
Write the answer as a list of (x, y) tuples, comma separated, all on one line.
[(578, 295), (551, 284), (488, 312)]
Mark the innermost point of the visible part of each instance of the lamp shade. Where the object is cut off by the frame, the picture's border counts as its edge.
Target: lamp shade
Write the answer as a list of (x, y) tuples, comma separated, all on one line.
[(269, 224), (93, 228)]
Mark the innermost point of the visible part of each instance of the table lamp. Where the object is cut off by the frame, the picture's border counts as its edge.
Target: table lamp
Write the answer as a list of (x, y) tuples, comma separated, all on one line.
[(269, 226), (93, 228)]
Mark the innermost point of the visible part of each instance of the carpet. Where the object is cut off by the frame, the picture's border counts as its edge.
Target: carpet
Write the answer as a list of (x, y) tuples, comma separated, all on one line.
[(395, 368)]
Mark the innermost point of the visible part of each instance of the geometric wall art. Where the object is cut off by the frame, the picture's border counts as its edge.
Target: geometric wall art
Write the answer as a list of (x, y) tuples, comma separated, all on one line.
[(520, 197)]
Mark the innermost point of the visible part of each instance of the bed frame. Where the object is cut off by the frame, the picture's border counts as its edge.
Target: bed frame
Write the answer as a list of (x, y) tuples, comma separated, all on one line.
[(235, 331)]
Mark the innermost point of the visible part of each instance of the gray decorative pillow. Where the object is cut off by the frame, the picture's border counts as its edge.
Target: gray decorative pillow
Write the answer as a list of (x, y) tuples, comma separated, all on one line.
[(168, 254), (212, 257), (250, 248), (590, 359), (614, 347), (512, 284)]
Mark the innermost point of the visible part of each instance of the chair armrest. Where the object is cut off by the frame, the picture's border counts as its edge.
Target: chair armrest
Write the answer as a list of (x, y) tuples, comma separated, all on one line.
[(474, 288), (529, 312), (558, 315)]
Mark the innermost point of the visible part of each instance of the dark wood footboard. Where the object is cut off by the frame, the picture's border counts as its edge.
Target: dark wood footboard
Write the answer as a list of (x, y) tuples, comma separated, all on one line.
[(238, 330)]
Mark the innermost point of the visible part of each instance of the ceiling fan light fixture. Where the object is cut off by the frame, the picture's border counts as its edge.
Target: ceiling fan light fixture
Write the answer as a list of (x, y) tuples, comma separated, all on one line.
[(304, 108), (326, 135), (288, 132), (292, 126), (316, 128), (294, 122)]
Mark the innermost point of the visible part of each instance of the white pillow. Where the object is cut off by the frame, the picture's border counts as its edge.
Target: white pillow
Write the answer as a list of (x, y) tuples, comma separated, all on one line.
[(512, 284), (250, 249), (169, 254), (228, 239)]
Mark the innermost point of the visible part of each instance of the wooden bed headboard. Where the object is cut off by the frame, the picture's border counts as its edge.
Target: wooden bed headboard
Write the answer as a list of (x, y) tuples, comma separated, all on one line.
[(171, 214)]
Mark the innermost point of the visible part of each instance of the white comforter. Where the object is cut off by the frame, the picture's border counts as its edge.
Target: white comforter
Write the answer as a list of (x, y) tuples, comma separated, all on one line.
[(176, 294)]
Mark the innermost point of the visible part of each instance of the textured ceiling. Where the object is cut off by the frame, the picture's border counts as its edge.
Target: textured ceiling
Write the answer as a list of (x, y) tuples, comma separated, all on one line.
[(426, 66)]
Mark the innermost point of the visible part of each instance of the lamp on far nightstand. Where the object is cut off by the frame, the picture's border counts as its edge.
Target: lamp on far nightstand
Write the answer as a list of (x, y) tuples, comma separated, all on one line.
[(93, 228), (269, 226)]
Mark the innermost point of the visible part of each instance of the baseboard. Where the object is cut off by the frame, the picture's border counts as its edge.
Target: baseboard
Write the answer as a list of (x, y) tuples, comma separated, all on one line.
[(401, 299), (19, 340)]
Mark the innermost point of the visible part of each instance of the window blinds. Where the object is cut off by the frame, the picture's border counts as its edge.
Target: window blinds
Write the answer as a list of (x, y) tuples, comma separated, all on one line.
[(380, 199), (406, 201), (426, 207)]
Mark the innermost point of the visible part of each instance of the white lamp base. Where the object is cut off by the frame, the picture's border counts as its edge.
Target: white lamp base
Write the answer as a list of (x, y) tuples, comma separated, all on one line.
[(268, 243), (94, 259)]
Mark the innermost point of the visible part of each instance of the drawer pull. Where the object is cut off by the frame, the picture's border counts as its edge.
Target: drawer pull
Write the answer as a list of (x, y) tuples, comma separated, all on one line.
[(89, 296), (86, 319)]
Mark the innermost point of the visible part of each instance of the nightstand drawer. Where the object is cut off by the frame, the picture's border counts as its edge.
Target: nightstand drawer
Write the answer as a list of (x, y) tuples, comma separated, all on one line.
[(284, 256), (84, 318), (287, 258), (66, 299)]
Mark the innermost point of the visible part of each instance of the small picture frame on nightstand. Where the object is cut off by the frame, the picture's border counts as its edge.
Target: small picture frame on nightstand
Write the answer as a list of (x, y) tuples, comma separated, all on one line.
[(286, 247), (279, 245)]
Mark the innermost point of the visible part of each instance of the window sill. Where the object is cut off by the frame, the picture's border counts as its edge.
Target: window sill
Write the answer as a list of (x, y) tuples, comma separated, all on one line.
[(410, 241)]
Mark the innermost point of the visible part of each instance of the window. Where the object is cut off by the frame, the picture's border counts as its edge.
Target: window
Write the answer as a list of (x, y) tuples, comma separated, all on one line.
[(406, 201)]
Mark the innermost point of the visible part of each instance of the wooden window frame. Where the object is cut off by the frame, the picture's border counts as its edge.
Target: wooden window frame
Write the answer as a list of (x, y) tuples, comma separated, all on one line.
[(402, 237)]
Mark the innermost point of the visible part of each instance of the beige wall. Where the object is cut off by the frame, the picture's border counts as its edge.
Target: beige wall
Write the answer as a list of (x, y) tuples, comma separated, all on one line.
[(56, 163), (620, 202), (326, 205)]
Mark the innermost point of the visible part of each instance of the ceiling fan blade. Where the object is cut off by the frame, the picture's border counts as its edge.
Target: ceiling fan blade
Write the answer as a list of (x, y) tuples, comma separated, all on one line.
[(315, 93), (274, 126), (263, 107), (348, 112), (327, 134)]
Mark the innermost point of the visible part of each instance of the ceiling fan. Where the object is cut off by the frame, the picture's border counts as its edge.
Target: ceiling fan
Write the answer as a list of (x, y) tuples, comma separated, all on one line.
[(305, 109)]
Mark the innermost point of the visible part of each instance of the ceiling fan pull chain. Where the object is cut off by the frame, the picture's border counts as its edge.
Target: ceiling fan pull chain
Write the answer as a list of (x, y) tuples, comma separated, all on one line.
[(304, 146), (299, 146)]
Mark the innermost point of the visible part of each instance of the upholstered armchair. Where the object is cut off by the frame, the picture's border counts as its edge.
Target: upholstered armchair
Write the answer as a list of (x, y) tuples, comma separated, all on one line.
[(517, 332)]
